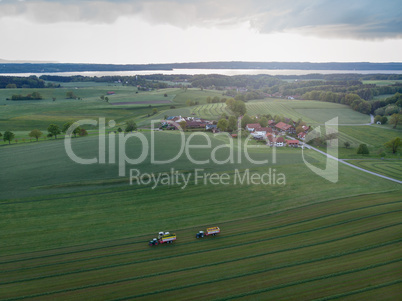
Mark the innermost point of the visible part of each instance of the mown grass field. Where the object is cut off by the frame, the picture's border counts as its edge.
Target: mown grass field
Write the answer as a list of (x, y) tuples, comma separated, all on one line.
[(328, 249), (126, 103), (195, 94), (312, 112), (390, 168), (73, 231), (211, 111), (373, 136), (34, 165)]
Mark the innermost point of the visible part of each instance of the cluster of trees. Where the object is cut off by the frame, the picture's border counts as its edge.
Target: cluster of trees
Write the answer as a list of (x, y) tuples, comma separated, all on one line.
[(246, 96), (342, 77), (363, 149), (238, 107), (229, 124), (131, 126), (104, 98), (381, 119), (216, 99), (366, 92), (33, 96), (394, 120), (392, 145), (8, 136), (142, 82), (351, 99), (220, 81), (388, 106), (190, 102), (71, 95), (9, 82), (323, 139), (53, 131)]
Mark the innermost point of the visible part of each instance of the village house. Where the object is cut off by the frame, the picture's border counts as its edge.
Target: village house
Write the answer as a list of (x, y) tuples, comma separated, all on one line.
[(301, 135), (252, 126), (261, 132), (285, 128), (210, 127), (278, 142), (293, 143)]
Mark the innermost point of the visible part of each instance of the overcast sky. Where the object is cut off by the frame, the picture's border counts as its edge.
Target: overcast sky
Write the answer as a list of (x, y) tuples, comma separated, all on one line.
[(167, 31)]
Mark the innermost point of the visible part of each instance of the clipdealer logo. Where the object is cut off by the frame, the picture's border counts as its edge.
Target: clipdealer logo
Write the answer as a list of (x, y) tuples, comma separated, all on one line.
[(107, 154), (148, 147)]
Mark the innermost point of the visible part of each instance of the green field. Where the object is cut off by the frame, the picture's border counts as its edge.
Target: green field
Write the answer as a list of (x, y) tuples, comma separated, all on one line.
[(373, 136), (74, 231), (389, 168), (381, 82), (195, 94), (211, 111), (28, 115), (312, 112), (320, 250)]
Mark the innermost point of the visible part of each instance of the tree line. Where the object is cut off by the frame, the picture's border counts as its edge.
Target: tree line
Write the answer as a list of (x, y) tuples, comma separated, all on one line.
[(11, 82), (53, 131)]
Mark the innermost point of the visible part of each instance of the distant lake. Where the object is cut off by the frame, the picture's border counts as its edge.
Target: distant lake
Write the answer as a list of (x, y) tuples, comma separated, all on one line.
[(209, 71)]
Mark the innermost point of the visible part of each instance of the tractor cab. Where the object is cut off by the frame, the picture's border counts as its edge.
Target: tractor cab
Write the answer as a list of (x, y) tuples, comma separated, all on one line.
[(153, 242), (200, 234)]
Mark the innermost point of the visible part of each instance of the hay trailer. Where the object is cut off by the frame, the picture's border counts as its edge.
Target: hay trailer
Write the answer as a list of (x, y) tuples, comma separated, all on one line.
[(163, 237), (210, 231)]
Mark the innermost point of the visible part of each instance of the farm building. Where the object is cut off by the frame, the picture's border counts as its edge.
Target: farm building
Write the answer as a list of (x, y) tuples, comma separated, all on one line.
[(251, 127), (210, 127), (301, 135), (284, 127), (278, 142), (293, 143)]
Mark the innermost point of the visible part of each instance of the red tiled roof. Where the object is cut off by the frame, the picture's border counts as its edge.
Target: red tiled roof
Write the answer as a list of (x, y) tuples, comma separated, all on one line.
[(253, 125), (260, 129), (283, 126), (292, 141)]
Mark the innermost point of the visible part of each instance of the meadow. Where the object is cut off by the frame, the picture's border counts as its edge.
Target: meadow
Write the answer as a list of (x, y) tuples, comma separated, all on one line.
[(127, 103), (74, 231), (328, 249), (373, 136), (390, 168), (312, 112)]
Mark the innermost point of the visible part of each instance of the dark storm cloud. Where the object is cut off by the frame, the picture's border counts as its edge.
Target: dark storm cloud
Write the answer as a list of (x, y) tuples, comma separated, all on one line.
[(356, 19)]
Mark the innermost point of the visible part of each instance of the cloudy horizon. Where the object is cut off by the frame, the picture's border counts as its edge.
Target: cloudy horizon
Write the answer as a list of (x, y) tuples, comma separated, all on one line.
[(170, 31)]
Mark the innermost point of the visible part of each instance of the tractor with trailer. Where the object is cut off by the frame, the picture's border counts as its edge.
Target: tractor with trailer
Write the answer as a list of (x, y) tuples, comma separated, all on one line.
[(163, 237), (210, 231)]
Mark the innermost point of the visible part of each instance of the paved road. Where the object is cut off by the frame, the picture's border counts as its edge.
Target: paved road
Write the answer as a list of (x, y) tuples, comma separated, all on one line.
[(349, 164), (354, 166)]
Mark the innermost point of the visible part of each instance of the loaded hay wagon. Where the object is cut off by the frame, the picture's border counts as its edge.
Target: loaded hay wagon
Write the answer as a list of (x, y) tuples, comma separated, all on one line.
[(210, 231), (163, 237)]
